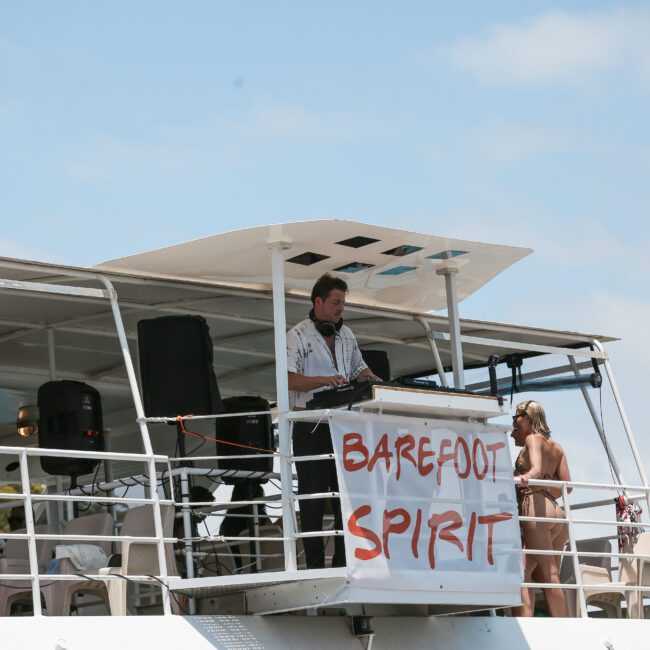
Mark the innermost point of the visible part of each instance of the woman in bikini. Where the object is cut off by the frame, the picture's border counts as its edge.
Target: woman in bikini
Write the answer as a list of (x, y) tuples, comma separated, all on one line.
[(540, 458)]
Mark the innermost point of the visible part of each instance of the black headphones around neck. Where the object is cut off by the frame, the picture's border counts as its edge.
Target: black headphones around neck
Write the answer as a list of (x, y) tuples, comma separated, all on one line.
[(325, 327)]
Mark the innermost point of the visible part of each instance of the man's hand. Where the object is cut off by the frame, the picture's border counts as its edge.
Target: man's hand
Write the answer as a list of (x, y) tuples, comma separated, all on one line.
[(334, 381), (305, 384), (368, 375)]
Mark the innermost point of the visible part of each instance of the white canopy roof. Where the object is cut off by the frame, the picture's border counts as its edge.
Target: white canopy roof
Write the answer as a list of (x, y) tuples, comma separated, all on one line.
[(384, 267), (241, 327)]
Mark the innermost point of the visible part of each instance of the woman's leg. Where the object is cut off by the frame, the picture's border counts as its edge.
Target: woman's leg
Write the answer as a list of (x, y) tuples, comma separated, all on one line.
[(527, 607), (528, 593), (545, 536), (559, 538)]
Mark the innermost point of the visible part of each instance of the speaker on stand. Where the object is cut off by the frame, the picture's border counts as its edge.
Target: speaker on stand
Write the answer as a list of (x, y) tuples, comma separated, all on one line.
[(177, 375), (70, 417), (176, 369), (241, 432), (246, 431)]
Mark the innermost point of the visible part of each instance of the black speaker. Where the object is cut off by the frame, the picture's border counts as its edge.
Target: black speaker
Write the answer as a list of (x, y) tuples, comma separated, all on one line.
[(254, 430), (176, 367), (70, 417), (377, 361)]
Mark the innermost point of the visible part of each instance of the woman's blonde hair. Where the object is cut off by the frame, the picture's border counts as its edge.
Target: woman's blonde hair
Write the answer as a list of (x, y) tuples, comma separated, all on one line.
[(535, 411)]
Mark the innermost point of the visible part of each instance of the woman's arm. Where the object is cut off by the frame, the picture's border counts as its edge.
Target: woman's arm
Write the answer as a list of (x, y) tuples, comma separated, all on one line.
[(534, 448)]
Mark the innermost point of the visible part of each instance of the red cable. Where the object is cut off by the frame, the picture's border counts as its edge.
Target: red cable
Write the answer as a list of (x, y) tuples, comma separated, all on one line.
[(180, 420)]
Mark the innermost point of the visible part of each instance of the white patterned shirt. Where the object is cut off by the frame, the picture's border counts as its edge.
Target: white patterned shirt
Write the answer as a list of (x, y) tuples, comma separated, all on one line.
[(308, 354)]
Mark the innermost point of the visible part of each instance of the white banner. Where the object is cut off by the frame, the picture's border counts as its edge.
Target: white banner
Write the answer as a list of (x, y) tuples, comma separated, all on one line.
[(427, 504)]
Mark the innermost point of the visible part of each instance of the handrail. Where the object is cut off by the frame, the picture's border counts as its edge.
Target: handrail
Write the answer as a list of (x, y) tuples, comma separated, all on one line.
[(289, 499), (218, 507), (72, 453)]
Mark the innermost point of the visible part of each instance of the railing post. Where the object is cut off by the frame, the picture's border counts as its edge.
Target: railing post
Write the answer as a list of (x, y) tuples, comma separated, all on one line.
[(597, 423), (434, 350), (31, 541), (54, 508), (146, 442), (449, 271), (623, 414), (187, 532), (574, 551), (282, 390)]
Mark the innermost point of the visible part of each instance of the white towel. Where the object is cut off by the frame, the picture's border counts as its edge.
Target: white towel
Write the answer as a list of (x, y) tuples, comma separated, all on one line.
[(83, 556)]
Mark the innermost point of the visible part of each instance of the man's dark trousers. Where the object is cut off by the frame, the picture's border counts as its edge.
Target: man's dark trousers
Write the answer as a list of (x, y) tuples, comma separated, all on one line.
[(317, 476)]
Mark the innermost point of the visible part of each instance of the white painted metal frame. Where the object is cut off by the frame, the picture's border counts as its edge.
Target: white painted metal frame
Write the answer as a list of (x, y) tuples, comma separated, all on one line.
[(284, 430), (110, 294), (434, 350), (597, 423), (571, 522), (284, 416), (449, 271), (621, 409)]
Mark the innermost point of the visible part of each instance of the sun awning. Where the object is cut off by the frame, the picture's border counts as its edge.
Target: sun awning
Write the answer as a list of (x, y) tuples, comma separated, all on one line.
[(241, 327), (384, 267)]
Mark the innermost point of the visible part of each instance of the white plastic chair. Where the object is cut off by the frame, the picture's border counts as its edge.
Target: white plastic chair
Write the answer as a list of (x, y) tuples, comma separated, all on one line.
[(16, 560), (271, 552), (639, 577), (58, 595), (140, 558), (593, 570)]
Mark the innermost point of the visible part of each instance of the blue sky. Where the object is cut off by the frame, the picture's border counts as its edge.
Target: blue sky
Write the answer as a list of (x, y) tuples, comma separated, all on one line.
[(129, 126)]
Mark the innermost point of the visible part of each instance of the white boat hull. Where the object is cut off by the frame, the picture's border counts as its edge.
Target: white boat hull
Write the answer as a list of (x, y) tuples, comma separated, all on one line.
[(315, 632)]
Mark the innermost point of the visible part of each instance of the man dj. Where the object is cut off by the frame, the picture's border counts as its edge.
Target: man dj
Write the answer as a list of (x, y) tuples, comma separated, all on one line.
[(321, 353)]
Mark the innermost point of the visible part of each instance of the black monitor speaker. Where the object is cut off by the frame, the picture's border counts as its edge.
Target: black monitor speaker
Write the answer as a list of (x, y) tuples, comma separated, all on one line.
[(248, 430), (176, 367), (377, 361), (70, 417)]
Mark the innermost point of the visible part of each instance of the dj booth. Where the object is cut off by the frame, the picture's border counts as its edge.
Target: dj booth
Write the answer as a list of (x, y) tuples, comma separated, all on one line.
[(427, 497), (409, 397)]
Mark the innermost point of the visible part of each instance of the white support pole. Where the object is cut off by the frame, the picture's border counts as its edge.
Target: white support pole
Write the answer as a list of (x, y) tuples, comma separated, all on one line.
[(282, 391), (108, 475), (574, 552), (187, 532), (58, 520), (434, 350), (449, 272), (187, 523), (54, 508), (256, 535), (69, 506), (51, 353), (31, 540), (597, 422), (146, 442), (623, 414)]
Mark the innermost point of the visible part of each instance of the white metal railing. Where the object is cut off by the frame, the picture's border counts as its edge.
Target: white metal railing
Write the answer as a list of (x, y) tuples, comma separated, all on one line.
[(35, 578), (574, 553), (82, 293), (632, 593), (286, 460), (278, 246), (572, 521), (194, 545)]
